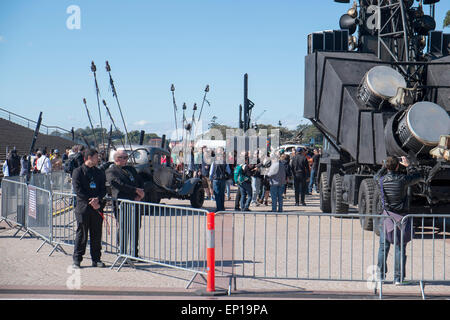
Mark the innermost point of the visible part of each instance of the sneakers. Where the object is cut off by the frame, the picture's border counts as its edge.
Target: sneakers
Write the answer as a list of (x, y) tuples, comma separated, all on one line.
[(402, 283), (76, 265), (303, 204), (98, 264)]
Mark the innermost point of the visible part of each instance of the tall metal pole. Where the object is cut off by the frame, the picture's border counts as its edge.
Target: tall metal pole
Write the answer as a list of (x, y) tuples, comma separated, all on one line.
[(33, 142), (113, 123), (241, 124), (204, 99), (113, 88), (246, 103), (172, 88), (90, 121), (94, 69)]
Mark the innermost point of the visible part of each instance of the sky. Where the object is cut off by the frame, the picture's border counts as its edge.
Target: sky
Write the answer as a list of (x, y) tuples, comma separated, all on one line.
[(46, 54)]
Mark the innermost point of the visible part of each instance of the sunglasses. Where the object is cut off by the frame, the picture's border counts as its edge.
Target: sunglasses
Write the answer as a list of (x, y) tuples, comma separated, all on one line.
[(125, 157)]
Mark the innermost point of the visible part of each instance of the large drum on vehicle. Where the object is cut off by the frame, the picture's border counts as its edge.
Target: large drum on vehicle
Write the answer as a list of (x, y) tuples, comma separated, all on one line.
[(379, 85), (421, 126)]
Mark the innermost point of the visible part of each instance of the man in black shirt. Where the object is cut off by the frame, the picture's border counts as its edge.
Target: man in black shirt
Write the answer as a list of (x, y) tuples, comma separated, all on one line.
[(89, 186), (300, 169), (13, 162), (125, 183), (314, 169)]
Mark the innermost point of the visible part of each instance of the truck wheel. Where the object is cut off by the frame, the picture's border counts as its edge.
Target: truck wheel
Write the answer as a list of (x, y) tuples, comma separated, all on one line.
[(377, 208), (325, 195), (198, 196), (337, 202), (365, 200)]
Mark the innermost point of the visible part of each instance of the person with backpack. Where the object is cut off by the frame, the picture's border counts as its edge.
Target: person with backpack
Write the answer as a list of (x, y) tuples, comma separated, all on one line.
[(242, 175), (219, 173), (394, 197), (43, 163), (75, 160)]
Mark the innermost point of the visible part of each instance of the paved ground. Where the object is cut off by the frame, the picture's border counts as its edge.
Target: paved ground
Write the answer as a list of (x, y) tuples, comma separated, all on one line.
[(27, 274)]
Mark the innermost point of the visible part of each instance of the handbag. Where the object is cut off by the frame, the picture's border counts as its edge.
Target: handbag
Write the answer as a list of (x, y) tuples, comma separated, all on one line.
[(389, 226)]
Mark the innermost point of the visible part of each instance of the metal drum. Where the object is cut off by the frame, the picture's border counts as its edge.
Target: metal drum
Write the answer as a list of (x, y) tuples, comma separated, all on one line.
[(422, 125), (379, 85)]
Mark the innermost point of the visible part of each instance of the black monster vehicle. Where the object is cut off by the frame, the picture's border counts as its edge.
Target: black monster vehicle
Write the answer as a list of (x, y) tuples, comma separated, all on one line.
[(383, 92), (161, 179)]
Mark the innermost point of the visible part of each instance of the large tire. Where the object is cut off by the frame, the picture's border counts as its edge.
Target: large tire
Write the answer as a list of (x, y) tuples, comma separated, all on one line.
[(325, 195), (198, 196), (365, 201), (337, 201)]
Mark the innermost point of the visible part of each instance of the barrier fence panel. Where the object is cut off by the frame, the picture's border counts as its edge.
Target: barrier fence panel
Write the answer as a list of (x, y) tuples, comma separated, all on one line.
[(165, 235), (38, 212), (14, 192), (297, 246), (65, 225), (57, 181), (427, 255)]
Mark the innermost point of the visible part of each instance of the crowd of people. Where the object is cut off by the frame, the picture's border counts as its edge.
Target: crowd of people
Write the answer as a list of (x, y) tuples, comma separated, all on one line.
[(257, 176), (40, 161)]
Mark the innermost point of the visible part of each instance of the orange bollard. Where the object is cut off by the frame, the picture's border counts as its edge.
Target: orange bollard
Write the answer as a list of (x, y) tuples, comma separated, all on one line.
[(210, 253)]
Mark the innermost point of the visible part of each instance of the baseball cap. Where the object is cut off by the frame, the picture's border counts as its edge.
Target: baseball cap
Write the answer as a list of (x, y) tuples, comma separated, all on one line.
[(299, 149)]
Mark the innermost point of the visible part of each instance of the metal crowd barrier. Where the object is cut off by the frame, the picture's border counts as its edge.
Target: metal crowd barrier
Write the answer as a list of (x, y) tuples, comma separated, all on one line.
[(251, 245), (293, 246), (57, 181), (164, 235), (65, 225), (427, 255), (14, 193)]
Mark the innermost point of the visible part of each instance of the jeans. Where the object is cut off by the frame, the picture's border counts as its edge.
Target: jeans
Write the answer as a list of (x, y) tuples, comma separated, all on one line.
[(276, 192), (312, 181), (300, 188), (246, 191), (219, 194), (256, 185), (228, 187), (399, 257)]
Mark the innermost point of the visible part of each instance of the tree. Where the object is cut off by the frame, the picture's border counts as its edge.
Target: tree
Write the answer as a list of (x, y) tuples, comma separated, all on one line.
[(213, 123), (447, 19)]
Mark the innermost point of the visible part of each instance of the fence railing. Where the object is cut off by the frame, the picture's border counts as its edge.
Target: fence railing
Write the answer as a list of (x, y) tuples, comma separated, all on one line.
[(64, 223), (165, 235), (56, 181), (331, 247), (251, 245), (14, 195)]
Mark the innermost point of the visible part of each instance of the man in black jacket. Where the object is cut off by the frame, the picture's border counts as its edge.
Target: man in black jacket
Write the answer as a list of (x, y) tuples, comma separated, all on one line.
[(125, 183), (300, 170), (89, 186), (394, 187), (13, 162), (220, 172)]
